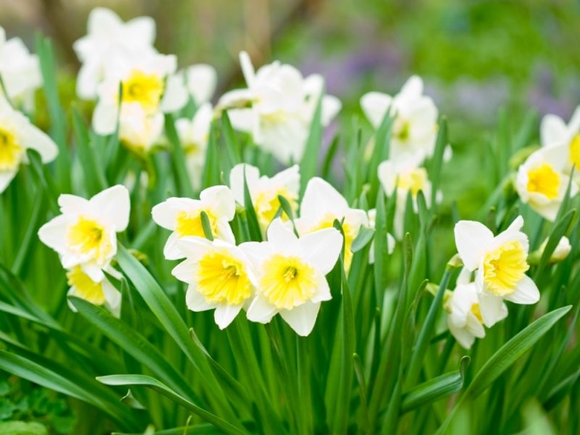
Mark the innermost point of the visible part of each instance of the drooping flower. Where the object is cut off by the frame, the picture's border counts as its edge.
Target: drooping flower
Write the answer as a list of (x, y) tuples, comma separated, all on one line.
[(85, 234), (183, 217), (554, 132), (291, 275), (17, 135), (109, 37), (219, 277), (282, 106), (541, 181), (321, 205), (415, 125), (96, 291), (200, 81), (264, 190), (500, 263), (20, 71), (391, 242)]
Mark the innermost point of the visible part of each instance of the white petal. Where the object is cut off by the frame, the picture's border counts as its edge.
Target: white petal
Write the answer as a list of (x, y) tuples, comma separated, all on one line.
[(330, 108), (387, 176), (194, 247), (224, 231), (242, 171), (526, 292), (472, 239), (165, 214), (220, 200), (5, 178), (53, 233), (196, 301), (491, 308), (37, 140), (322, 248), (281, 237), (71, 204), (225, 314), (553, 130), (142, 28), (247, 68), (201, 81), (320, 198), (105, 118), (375, 106), (113, 204), (260, 310), (175, 95), (171, 250), (302, 318), (185, 271), (413, 87)]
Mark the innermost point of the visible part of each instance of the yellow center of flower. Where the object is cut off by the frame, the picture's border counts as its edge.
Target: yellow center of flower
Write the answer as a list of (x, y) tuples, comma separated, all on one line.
[(544, 180), (267, 205), (287, 282), (89, 236), (414, 181), (145, 89), (189, 223), (222, 279), (504, 268), (86, 288), (575, 151), (10, 150), (476, 311)]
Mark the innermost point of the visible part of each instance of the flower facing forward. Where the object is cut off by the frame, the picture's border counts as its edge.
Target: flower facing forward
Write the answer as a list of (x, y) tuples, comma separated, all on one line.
[(500, 263), (20, 71), (183, 217), (291, 275), (321, 205), (554, 131), (96, 291), (108, 36), (85, 234), (415, 125), (281, 107), (265, 191), (219, 277), (17, 135), (541, 181)]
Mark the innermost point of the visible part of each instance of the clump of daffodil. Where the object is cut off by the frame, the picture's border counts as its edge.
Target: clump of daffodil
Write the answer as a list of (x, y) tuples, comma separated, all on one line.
[(500, 264), (291, 274), (219, 276), (183, 216), (17, 135), (264, 190), (554, 131)]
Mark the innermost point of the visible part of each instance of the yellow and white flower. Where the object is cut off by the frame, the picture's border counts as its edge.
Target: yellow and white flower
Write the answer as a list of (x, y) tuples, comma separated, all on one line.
[(138, 130), (96, 291), (219, 275), (291, 275), (554, 131), (264, 190), (415, 126), (321, 205), (85, 234), (20, 71), (183, 217), (391, 242), (201, 82), (541, 181), (17, 134), (500, 263), (282, 107), (109, 37)]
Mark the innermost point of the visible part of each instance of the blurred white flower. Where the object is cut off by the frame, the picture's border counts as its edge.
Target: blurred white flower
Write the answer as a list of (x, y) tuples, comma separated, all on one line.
[(20, 71), (17, 134), (282, 105), (85, 234), (391, 242), (183, 217), (291, 275), (219, 275), (138, 130), (264, 190), (200, 81), (554, 131), (561, 252), (541, 182), (501, 265), (109, 37), (96, 291)]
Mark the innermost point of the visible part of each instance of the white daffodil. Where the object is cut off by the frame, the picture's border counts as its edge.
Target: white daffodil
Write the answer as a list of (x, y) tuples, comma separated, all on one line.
[(501, 265), (282, 107), (148, 81), (200, 81), (138, 130), (108, 36), (183, 217), (561, 252), (85, 234), (17, 134), (321, 205), (194, 136), (415, 125), (391, 242), (291, 275), (541, 182), (97, 292), (554, 131), (20, 71), (264, 190), (219, 275), (404, 176)]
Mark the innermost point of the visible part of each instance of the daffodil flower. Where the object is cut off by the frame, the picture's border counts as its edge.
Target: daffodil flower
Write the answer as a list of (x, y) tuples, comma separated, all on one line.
[(415, 125), (541, 181), (108, 36), (183, 217), (321, 205), (264, 190), (17, 135), (219, 275), (554, 131), (291, 275), (563, 249), (85, 234), (391, 242), (20, 71), (96, 291), (138, 130), (500, 263), (200, 81)]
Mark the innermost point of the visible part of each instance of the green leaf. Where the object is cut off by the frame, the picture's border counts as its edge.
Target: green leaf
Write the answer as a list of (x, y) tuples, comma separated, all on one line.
[(436, 163), (252, 218), (206, 225), (178, 158), (363, 238)]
